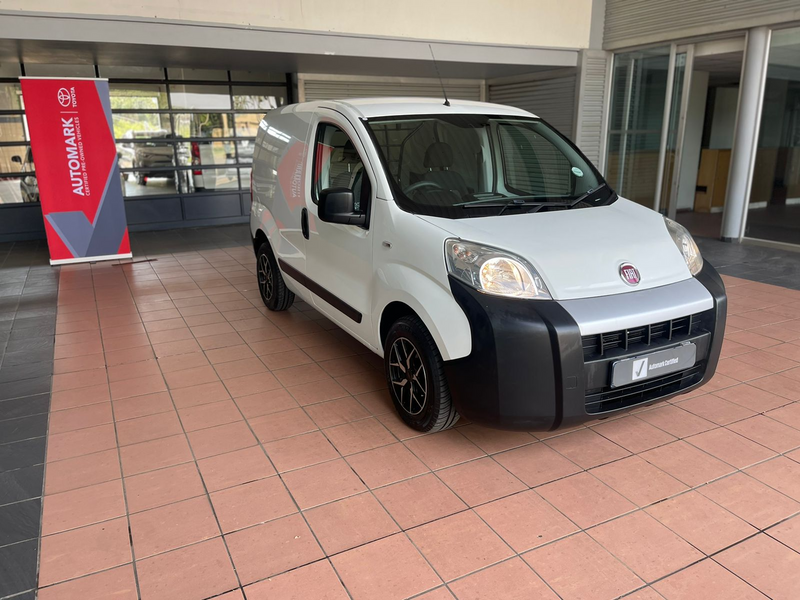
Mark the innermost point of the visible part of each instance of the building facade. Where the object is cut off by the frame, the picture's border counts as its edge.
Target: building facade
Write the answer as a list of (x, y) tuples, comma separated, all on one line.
[(691, 108)]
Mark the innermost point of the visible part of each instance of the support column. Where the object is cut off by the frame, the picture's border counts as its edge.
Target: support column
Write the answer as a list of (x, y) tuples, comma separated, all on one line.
[(745, 140)]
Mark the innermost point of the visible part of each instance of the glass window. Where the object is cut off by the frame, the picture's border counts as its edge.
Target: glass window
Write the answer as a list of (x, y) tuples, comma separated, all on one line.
[(200, 97), (10, 96), (14, 190), (202, 125), (9, 70), (533, 165), (53, 70), (207, 180), (139, 154), (255, 97), (337, 164), (131, 72), (244, 150), (197, 74), (141, 125), (138, 96), (244, 177), (12, 158), (247, 124), (12, 128), (206, 153), (149, 183)]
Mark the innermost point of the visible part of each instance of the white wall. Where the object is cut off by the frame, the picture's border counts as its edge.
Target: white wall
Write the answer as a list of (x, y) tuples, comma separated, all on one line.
[(692, 140), (540, 23)]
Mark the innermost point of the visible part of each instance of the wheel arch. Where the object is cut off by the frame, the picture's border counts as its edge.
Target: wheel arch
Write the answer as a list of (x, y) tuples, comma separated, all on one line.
[(259, 238)]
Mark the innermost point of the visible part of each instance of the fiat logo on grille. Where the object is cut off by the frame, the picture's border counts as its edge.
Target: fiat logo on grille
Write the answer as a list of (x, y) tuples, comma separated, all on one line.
[(629, 274)]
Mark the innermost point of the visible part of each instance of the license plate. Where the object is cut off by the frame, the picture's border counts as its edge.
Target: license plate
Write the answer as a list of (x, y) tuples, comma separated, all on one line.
[(655, 364)]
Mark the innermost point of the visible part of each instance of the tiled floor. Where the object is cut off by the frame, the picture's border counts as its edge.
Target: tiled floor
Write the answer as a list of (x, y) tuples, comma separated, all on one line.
[(200, 446)]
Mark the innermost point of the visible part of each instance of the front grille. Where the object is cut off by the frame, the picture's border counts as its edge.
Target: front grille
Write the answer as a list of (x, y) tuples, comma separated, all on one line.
[(606, 399), (640, 338)]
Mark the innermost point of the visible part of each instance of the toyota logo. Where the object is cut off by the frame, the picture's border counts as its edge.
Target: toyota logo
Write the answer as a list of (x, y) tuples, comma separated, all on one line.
[(629, 274), (63, 97)]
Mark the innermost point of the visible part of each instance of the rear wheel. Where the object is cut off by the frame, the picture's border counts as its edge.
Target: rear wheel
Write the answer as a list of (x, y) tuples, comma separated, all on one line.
[(274, 293), (415, 372)]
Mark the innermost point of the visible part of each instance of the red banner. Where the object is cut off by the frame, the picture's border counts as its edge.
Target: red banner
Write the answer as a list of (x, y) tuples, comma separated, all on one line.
[(80, 190)]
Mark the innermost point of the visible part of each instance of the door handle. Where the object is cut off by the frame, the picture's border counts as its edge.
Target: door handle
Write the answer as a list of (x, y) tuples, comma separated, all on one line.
[(304, 222)]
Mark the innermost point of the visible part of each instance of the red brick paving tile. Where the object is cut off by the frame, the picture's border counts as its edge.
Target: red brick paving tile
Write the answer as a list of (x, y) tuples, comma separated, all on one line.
[(768, 432), (359, 436), (686, 463), (165, 576), (129, 355), (176, 348), (775, 359), (302, 374), (750, 500), (211, 329), (385, 465), (265, 403), (510, 580), (675, 421), (144, 368), (325, 482), (402, 501), (317, 391), (122, 330), (200, 394), (336, 412), (79, 363), (525, 520), (779, 385), (76, 326), (272, 346), (459, 544), (706, 579), (358, 383), (221, 439), (398, 427), (444, 449), (73, 473), (82, 506), (647, 547), (492, 441), (240, 368), (165, 486), (235, 468), (79, 418), (80, 337), (126, 343), (181, 362), (164, 325), (282, 425), (368, 575), (118, 583), (159, 315), (137, 387), (638, 480), (300, 451), (788, 533), (151, 427), (310, 340), (350, 522), (781, 332), (789, 415), (99, 547), (229, 354), (715, 409), (586, 448), (328, 351), (209, 415), (441, 593), (779, 473), (766, 564), (633, 434), (585, 499), (345, 366), (76, 350), (272, 548), (751, 339), (536, 464), (172, 526), (252, 503), (142, 406), (222, 340), (83, 441), (378, 402), (317, 580), (284, 360), (155, 454), (81, 379), (731, 447), (480, 481), (251, 384)]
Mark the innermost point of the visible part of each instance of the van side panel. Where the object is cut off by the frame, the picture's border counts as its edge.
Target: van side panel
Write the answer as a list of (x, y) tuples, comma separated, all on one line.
[(279, 161)]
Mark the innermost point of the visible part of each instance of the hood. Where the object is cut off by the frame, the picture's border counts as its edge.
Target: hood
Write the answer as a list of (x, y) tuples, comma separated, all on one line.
[(578, 252)]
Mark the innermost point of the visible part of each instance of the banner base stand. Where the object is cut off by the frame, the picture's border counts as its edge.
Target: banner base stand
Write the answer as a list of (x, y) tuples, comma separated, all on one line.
[(87, 259)]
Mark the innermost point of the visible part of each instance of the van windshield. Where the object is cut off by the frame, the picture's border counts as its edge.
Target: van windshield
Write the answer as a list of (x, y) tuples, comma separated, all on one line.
[(458, 166)]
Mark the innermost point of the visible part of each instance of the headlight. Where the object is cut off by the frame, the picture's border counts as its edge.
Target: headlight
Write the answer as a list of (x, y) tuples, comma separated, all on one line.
[(493, 271), (686, 244)]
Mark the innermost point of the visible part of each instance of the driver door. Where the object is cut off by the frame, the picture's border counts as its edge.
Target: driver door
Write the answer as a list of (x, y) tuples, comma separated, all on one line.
[(339, 257)]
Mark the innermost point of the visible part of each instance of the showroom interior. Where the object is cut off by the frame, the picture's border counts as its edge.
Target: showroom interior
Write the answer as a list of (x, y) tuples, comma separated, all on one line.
[(164, 436)]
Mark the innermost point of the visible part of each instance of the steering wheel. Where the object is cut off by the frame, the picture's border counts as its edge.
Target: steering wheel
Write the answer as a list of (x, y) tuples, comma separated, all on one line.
[(421, 184)]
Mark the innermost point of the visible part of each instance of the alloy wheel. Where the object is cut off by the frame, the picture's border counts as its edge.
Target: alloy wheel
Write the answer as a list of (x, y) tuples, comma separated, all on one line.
[(407, 375), (265, 281)]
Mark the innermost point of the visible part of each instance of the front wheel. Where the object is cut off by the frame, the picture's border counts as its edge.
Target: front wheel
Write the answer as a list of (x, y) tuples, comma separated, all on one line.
[(274, 293), (415, 372)]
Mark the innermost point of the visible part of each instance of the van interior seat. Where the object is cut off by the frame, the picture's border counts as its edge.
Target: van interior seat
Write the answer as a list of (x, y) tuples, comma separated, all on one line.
[(438, 160)]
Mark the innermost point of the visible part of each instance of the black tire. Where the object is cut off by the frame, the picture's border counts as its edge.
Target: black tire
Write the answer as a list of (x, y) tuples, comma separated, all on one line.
[(274, 293), (424, 401)]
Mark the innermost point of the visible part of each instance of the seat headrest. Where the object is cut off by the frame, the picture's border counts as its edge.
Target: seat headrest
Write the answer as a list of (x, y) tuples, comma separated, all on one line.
[(439, 155), (349, 154)]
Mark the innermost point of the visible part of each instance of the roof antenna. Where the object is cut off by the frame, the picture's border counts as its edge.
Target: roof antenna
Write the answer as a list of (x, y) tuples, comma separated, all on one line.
[(439, 75)]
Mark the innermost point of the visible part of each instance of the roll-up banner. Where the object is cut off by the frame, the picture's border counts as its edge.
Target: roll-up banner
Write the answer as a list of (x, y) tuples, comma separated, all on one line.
[(80, 188)]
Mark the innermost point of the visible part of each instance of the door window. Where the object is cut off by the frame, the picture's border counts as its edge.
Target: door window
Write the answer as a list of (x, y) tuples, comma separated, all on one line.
[(337, 164)]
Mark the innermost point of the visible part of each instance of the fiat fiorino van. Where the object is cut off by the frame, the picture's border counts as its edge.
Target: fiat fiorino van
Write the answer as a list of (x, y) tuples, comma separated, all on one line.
[(484, 258)]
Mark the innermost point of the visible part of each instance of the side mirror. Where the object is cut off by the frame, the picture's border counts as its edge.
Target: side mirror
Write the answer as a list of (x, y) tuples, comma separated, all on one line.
[(337, 205), (16, 159)]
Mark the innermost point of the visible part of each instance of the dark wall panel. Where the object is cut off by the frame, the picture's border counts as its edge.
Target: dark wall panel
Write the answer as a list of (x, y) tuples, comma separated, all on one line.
[(212, 206), (157, 210), (24, 221)]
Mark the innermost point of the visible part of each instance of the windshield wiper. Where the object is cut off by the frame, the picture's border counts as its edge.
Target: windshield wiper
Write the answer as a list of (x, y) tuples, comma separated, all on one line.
[(532, 202)]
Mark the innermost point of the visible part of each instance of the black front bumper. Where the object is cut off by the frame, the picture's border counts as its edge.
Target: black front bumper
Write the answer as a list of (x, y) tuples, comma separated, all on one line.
[(528, 370)]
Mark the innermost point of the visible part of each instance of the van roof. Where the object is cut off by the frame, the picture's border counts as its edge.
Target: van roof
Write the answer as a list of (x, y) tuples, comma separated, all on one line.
[(394, 107)]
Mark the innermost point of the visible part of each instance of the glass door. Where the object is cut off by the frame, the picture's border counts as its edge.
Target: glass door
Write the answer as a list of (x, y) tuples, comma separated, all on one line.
[(675, 127)]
